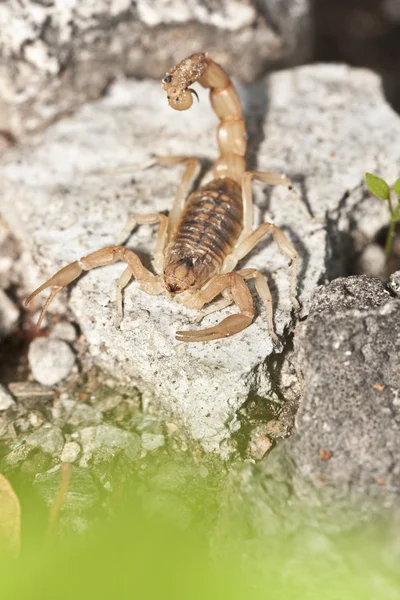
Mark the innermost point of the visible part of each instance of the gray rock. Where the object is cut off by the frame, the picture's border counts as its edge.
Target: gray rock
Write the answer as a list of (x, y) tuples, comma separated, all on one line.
[(83, 493), (91, 44), (48, 438), (81, 414), (35, 462), (6, 400), (168, 506), (325, 126), (348, 424), (105, 441), (261, 514), (51, 360)]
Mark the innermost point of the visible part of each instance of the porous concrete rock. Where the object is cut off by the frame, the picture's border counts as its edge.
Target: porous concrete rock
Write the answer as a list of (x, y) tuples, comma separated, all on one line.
[(51, 360), (325, 126), (348, 424), (55, 55)]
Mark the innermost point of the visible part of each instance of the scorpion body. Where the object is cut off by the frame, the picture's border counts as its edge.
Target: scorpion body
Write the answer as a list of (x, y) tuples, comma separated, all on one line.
[(206, 233), (200, 242)]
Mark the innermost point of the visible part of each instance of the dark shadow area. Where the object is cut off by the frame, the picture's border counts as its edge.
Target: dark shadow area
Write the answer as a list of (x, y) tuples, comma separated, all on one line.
[(254, 98), (361, 33), (393, 261)]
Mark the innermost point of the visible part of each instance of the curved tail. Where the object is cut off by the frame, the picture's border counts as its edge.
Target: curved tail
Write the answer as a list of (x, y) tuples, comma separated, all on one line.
[(232, 138)]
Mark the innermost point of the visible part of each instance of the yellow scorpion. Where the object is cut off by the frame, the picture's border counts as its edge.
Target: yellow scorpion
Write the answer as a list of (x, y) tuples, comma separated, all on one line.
[(201, 241)]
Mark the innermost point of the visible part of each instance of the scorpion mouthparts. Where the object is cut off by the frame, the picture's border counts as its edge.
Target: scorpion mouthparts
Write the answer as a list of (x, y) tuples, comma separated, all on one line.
[(194, 93), (173, 288)]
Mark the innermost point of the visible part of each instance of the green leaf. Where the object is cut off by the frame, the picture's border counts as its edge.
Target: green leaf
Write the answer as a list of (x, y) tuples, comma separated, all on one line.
[(377, 186), (396, 187)]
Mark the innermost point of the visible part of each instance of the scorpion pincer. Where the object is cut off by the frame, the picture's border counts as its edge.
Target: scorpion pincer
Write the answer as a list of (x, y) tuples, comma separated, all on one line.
[(201, 241)]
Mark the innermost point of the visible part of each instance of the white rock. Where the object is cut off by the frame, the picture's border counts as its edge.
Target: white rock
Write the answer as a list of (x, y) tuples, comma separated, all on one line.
[(325, 126), (6, 400), (51, 360)]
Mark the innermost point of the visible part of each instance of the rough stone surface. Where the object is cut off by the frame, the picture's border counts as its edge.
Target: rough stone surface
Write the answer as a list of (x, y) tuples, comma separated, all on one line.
[(266, 510), (83, 492), (325, 126), (96, 442), (6, 400), (56, 55), (48, 438), (51, 360), (348, 424)]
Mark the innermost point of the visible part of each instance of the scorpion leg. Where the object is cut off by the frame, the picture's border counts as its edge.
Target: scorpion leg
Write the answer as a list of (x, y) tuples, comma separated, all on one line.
[(192, 164), (270, 179), (150, 219), (230, 325), (106, 256), (167, 225), (284, 245), (265, 295), (216, 306)]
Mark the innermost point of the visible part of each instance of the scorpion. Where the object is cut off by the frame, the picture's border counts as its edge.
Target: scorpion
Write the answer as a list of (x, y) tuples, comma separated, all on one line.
[(201, 241)]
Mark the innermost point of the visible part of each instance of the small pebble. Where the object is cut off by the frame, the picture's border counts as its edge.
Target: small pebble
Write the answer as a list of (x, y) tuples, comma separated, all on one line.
[(63, 331), (152, 441), (6, 400), (36, 419), (259, 446), (203, 471), (171, 428), (70, 452), (51, 360)]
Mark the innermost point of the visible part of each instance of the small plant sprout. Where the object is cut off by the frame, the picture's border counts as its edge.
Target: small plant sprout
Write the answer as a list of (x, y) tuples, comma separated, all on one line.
[(381, 190)]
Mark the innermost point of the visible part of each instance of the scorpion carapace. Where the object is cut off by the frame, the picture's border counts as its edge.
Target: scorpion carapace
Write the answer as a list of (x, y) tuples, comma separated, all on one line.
[(200, 243)]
